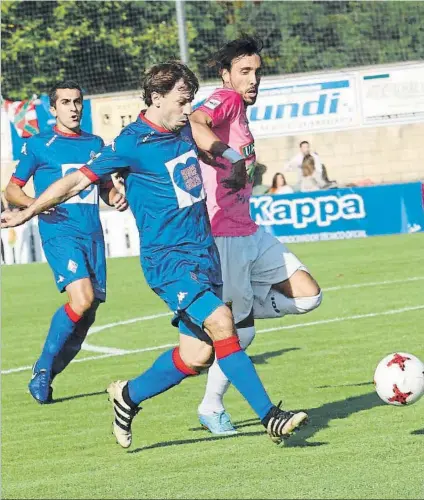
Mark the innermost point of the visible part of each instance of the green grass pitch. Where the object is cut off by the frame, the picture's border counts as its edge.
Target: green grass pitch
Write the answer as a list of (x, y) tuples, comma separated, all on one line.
[(354, 447)]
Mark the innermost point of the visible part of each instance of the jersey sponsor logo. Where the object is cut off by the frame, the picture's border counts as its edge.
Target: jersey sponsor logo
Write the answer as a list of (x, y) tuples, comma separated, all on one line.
[(248, 149), (90, 195), (322, 210), (72, 266), (181, 296), (186, 179), (61, 278), (24, 149), (212, 103)]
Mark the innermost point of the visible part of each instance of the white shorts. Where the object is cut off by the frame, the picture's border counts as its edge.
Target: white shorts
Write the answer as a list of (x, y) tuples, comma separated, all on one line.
[(250, 266)]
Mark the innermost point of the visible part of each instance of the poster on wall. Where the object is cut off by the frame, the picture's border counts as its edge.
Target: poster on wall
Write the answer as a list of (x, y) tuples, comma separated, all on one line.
[(392, 96), (111, 114)]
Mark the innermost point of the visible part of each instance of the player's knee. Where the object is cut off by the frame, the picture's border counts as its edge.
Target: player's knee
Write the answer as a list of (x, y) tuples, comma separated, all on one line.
[(199, 359), (220, 324), (82, 302), (246, 330), (307, 304)]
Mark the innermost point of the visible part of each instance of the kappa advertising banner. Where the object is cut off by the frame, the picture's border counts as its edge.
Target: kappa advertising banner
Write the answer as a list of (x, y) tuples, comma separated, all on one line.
[(394, 96), (341, 213)]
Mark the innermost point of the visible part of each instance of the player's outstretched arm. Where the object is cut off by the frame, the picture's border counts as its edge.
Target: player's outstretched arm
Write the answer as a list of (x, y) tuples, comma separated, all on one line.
[(58, 192)]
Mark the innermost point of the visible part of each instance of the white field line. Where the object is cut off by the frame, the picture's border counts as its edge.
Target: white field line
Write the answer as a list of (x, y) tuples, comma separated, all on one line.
[(372, 283), (112, 350), (286, 327)]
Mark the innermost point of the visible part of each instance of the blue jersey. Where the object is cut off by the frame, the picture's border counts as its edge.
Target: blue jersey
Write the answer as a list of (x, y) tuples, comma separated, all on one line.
[(165, 192), (49, 156)]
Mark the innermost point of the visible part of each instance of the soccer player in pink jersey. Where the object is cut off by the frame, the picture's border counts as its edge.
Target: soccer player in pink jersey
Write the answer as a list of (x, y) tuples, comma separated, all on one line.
[(262, 278)]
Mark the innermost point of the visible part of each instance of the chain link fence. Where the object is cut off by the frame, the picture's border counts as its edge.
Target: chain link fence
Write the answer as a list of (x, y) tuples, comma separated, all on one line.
[(107, 45)]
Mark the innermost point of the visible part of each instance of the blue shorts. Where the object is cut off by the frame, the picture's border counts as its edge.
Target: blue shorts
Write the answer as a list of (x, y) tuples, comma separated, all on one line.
[(72, 259), (190, 321), (189, 283)]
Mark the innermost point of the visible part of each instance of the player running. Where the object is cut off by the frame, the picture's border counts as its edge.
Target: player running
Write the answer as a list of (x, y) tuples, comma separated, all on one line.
[(262, 278), (71, 235), (178, 255)]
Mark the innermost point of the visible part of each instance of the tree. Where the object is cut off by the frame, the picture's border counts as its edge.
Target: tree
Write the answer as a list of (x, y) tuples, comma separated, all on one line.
[(107, 45)]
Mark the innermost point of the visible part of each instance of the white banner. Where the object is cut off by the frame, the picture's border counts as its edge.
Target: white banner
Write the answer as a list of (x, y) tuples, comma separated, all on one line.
[(336, 100), (287, 106), (305, 105), (393, 96)]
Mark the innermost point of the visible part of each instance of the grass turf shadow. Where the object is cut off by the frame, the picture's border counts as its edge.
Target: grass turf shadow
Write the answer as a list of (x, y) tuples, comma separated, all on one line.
[(320, 419)]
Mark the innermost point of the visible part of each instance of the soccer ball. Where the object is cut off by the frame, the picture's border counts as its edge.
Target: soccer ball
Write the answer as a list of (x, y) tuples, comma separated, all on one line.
[(399, 379)]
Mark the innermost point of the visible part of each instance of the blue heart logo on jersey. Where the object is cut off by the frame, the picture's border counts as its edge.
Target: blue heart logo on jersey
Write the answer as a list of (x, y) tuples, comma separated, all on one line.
[(87, 190), (187, 176)]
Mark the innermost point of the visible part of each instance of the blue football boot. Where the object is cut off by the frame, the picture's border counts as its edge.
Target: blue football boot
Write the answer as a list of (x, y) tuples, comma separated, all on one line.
[(218, 423), (39, 385)]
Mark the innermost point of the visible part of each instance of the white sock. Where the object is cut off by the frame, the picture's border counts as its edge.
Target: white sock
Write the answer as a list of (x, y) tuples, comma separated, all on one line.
[(277, 305), (218, 383)]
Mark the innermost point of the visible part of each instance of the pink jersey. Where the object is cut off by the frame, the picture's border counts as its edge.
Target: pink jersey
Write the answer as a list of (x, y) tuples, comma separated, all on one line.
[(229, 213)]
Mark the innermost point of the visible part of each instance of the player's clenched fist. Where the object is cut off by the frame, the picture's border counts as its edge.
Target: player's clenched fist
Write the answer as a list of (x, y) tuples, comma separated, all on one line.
[(120, 202)]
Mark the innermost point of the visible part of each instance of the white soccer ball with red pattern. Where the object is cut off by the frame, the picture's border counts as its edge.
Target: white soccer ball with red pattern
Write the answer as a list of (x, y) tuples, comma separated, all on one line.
[(399, 379)]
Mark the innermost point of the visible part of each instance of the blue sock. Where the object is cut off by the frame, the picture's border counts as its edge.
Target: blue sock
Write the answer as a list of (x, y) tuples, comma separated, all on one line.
[(62, 326), (239, 369), (166, 372), (74, 342)]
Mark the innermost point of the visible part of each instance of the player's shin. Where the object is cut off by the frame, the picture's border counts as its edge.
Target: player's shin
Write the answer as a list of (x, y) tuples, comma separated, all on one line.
[(218, 384), (62, 326), (167, 371), (74, 343), (239, 369)]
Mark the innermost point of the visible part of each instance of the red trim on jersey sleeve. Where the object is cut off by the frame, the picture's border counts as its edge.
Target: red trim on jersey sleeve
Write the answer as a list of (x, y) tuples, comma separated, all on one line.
[(224, 348), (19, 182), (90, 174), (67, 134), (153, 125), (73, 316), (179, 363)]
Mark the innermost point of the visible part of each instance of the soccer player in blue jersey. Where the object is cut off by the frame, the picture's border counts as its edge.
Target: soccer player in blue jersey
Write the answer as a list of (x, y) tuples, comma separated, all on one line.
[(71, 234), (178, 255)]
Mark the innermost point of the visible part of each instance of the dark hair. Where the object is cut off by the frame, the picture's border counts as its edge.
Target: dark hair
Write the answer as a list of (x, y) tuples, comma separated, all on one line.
[(66, 84), (246, 45), (303, 142), (161, 78), (274, 179)]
